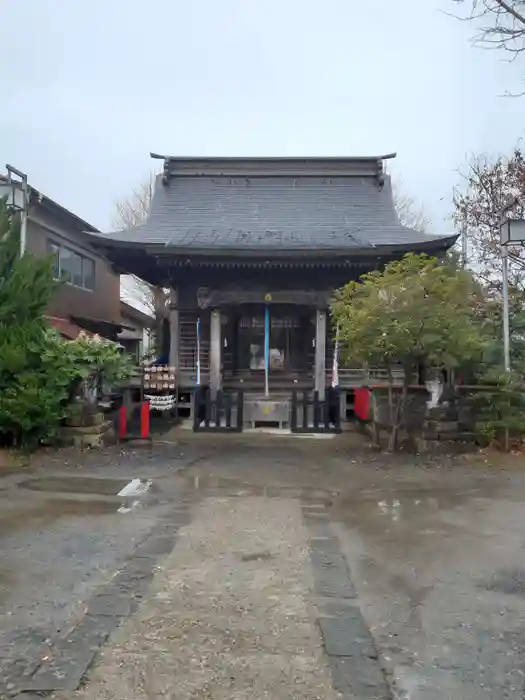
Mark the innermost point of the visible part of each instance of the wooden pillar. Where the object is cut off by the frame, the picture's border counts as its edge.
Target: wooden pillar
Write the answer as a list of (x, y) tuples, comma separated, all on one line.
[(174, 329), (215, 353), (320, 353)]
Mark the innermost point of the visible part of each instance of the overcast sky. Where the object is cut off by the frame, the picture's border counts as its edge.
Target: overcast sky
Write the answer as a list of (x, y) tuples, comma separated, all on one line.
[(89, 88)]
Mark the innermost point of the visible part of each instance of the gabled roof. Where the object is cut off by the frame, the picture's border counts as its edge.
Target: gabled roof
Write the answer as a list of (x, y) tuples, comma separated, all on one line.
[(37, 198), (281, 206)]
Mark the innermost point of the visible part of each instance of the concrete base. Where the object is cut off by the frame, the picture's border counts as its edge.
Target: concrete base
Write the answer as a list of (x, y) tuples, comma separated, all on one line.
[(87, 436), (266, 430), (267, 410)]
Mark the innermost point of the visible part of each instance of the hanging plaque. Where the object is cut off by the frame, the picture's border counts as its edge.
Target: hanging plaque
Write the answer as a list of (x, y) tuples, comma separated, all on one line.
[(159, 377)]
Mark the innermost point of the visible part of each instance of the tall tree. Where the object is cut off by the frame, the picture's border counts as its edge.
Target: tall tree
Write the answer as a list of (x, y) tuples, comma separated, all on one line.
[(501, 22), (32, 385), (409, 212), (132, 212), (489, 184)]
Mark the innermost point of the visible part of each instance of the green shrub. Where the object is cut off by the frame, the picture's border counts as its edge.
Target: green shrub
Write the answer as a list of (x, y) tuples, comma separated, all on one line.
[(39, 371), (499, 407)]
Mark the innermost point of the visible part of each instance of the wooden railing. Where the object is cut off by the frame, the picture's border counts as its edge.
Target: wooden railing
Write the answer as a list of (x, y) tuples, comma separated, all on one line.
[(349, 378)]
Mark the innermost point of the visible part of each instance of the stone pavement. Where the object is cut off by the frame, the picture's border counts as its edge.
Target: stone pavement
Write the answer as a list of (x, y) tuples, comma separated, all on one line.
[(253, 601), (89, 597)]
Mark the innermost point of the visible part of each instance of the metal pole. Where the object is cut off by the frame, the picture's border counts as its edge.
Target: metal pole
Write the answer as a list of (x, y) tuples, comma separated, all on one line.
[(506, 324), (464, 245), (505, 283), (198, 363), (23, 219), (266, 350), (25, 202)]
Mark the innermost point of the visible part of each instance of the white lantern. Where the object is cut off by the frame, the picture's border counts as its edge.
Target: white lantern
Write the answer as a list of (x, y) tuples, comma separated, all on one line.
[(14, 194), (512, 231)]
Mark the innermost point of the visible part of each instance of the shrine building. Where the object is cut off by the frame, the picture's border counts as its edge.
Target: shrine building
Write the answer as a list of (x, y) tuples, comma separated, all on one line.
[(252, 250)]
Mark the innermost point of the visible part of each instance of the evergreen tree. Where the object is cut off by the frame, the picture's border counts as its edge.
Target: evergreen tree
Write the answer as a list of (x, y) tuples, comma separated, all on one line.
[(29, 401), (416, 311)]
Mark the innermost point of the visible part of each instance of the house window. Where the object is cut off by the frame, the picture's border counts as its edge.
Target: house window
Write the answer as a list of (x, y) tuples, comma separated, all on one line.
[(71, 267), (88, 273), (54, 250)]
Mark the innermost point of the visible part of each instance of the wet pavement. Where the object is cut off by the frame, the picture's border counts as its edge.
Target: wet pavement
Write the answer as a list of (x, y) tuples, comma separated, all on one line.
[(61, 539), (440, 579), (433, 552)]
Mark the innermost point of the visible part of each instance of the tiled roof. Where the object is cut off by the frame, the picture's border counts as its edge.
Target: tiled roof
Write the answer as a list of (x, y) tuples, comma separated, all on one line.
[(205, 209)]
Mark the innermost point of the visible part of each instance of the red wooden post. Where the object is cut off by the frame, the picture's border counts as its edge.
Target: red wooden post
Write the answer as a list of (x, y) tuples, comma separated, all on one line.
[(122, 424), (144, 419), (362, 402)]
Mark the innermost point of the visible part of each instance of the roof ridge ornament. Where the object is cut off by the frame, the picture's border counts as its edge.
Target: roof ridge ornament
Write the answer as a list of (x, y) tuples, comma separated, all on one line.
[(274, 166), (381, 173)]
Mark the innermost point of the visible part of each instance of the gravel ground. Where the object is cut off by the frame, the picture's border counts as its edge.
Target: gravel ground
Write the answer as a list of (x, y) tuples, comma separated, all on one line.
[(227, 615), (434, 547)]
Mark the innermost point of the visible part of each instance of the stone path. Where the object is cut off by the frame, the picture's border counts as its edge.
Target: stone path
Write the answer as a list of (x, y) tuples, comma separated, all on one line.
[(230, 614)]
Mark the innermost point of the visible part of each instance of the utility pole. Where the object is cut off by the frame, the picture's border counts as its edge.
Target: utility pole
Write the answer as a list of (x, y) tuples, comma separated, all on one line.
[(24, 216), (19, 200), (510, 231), (506, 324), (464, 245)]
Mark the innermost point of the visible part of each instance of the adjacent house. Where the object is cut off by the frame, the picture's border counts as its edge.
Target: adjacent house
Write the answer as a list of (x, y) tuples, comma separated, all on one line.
[(89, 299), (135, 337)]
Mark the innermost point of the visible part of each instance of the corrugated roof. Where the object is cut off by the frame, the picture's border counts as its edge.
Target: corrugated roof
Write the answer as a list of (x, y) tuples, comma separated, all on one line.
[(198, 207)]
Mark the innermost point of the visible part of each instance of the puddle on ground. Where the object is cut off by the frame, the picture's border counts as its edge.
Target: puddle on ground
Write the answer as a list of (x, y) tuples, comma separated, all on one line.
[(133, 495), (76, 484), (29, 516), (120, 495), (398, 506)]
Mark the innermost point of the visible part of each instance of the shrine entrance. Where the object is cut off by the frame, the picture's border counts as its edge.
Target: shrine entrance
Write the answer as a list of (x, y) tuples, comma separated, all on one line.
[(291, 331)]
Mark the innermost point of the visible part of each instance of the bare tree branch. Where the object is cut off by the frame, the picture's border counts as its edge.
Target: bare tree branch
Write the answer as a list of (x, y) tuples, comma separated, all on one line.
[(502, 23), (409, 213), (488, 185), (130, 213), (134, 210), (511, 9)]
